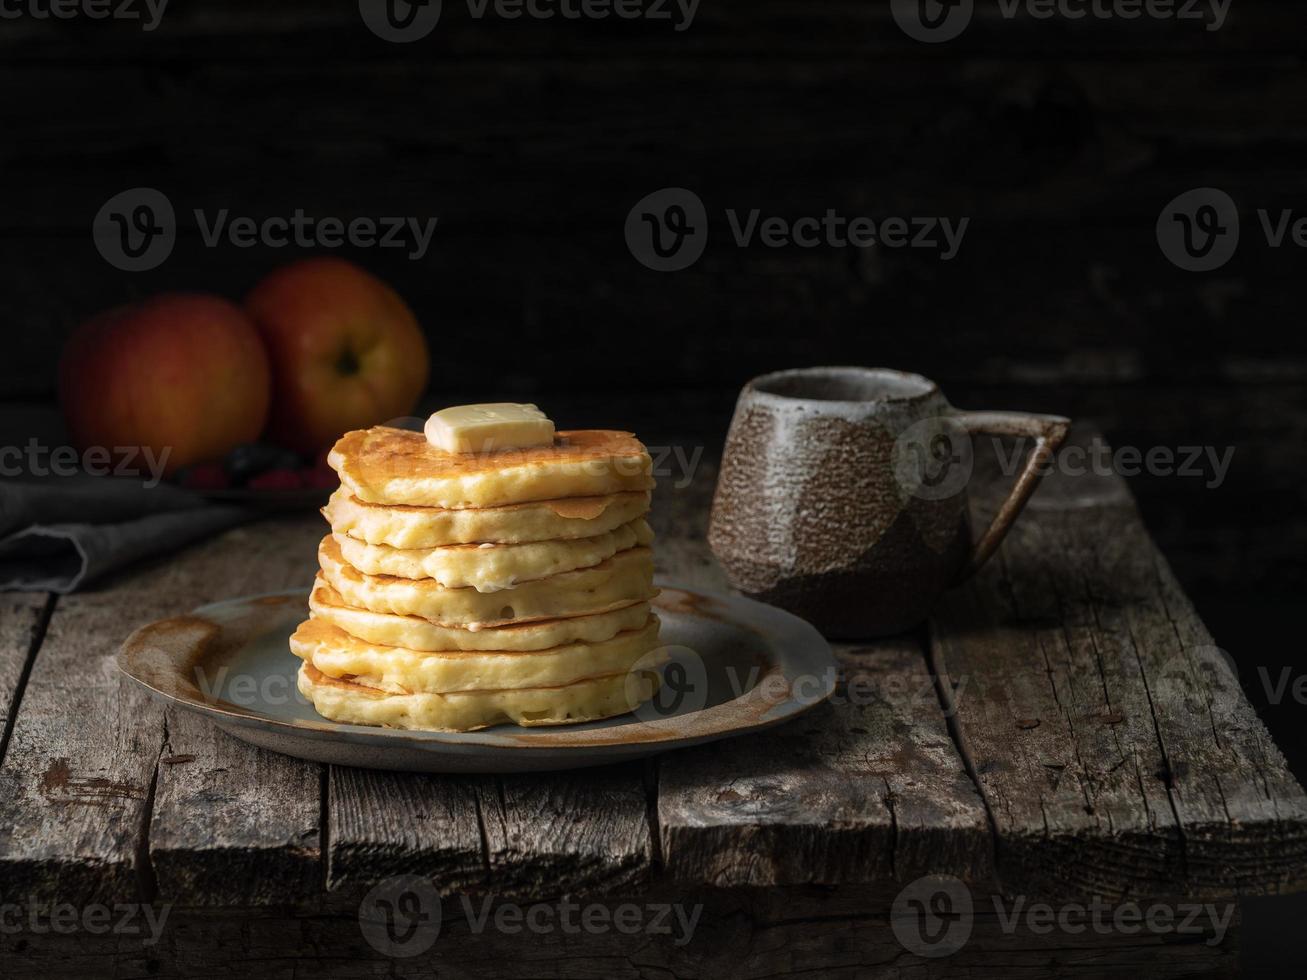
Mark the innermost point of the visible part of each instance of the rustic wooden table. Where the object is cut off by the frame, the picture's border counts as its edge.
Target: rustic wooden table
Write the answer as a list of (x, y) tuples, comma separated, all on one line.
[(1063, 733)]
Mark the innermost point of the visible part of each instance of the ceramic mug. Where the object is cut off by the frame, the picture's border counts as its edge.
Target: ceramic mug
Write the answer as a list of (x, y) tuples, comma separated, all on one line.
[(842, 495)]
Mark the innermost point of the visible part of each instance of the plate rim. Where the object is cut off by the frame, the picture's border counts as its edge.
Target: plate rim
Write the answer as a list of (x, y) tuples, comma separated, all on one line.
[(658, 735)]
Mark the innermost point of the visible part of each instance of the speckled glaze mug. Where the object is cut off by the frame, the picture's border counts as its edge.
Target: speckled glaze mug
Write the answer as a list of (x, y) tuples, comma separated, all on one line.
[(843, 495)]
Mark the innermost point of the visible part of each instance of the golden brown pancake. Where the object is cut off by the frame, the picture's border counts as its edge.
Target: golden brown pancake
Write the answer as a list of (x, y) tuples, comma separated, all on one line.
[(625, 577), (491, 567), (394, 466), (416, 633), (398, 670), (589, 700), (406, 526)]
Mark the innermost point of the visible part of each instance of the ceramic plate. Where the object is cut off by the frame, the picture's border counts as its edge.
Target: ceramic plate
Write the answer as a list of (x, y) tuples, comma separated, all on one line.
[(737, 666)]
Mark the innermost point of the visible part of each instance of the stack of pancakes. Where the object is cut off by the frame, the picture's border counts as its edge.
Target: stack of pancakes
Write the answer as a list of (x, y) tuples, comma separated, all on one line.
[(461, 590)]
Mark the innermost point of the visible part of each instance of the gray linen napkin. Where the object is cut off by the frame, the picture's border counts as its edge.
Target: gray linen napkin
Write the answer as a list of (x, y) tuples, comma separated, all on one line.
[(60, 534)]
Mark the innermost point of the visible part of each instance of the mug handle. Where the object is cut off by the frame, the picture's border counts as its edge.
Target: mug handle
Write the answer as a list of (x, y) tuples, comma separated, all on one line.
[(1048, 431)]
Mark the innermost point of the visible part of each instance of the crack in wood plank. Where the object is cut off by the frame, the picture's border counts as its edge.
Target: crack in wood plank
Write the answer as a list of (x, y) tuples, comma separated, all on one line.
[(26, 618), (1129, 674)]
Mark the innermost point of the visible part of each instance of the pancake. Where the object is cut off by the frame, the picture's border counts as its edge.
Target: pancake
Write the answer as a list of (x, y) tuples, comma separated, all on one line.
[(626, 576), (394, 466), (431, 527), (588, 700), (415, 633), (401, 671), (491, 567)]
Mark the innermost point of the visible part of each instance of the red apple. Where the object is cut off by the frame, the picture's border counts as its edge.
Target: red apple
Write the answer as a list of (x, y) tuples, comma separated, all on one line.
[(346, 351), (181, 373)]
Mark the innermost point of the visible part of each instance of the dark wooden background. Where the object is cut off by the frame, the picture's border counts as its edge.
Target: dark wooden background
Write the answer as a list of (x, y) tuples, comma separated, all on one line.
[(531, 140)]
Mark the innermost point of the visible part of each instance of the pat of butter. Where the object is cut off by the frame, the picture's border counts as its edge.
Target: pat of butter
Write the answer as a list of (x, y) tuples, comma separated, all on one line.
[(489, 428)]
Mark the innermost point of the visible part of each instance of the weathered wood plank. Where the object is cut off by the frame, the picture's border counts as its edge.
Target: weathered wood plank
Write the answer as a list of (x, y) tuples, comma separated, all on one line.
[(749, 934), (22, 627), (866, 789), (383, 824), (512, 835), (78, 783), (1114, 748), (584, 832), (233, 824), (76, 780)]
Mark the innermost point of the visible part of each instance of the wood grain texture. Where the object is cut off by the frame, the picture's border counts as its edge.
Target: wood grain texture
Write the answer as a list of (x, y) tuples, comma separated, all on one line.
[(517, 835), (23, 619), (82, 776), (1109, 737), (743, 934), (866, 789), (585, 832), (383, 824), (76, 783), (233, 824)]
